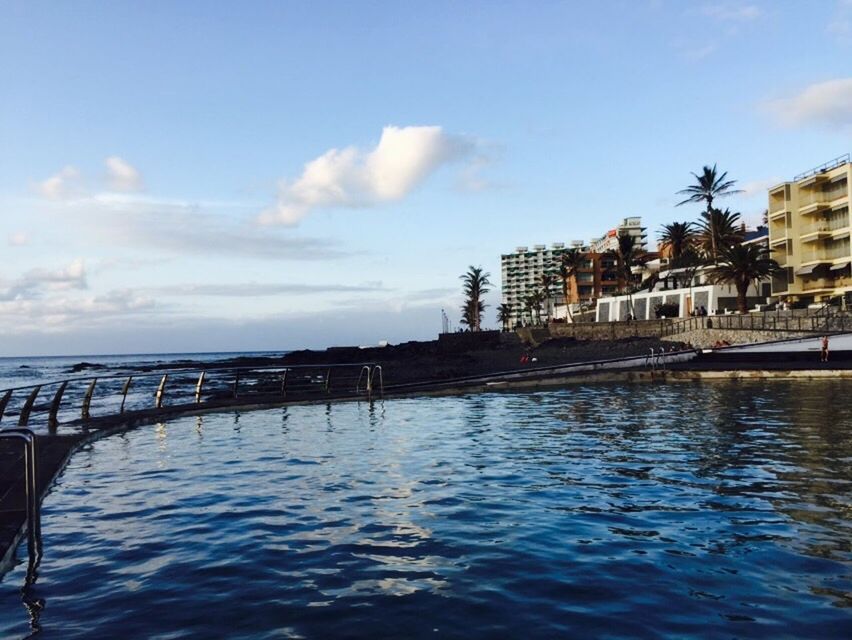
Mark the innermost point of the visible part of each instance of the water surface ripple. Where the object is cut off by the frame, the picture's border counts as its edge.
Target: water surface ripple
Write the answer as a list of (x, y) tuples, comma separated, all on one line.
[(718, 510)]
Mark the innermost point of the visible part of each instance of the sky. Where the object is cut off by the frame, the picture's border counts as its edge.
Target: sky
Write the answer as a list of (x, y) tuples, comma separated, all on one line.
[(227, 176)]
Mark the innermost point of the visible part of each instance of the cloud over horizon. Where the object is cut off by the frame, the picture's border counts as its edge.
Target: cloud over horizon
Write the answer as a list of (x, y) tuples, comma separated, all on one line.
[(353, 178), (121, 175), (67, 183), (35, 282), (827, 104), (61, 185)]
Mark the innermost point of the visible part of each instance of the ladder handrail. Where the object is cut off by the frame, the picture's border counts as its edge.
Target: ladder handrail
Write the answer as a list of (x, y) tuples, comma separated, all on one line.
[(30, 480)]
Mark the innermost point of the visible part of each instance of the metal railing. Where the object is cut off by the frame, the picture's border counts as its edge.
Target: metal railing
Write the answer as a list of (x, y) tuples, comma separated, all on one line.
[(820, 322), (31, 488), (78, 401), (825, 166)]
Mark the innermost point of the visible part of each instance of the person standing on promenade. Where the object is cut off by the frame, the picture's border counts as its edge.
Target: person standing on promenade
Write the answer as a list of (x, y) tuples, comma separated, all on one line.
[(823, 353)]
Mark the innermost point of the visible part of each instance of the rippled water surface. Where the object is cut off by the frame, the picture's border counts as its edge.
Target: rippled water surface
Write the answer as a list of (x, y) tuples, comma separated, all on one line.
[(720, 510)]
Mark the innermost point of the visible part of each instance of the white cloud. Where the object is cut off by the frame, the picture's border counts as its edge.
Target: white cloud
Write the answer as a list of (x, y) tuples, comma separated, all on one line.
[(730, 12), (255, 289), (62, 185), (35, 282), (757, 188), (19, 239), (181, 227), (61, 313), (121, 175), (352, 178), (824, 103)]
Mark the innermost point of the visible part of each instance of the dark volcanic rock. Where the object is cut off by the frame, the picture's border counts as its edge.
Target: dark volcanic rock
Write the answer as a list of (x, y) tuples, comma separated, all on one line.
[(83, 366), (429, 361)]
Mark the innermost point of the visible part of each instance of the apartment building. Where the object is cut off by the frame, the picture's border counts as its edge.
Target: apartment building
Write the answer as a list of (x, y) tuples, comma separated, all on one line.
[(628, 227), (522, 271), (809, 233)]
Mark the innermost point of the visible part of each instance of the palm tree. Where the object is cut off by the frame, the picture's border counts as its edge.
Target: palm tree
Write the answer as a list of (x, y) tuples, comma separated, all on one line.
[(476, 284), (546, 281), (472, 314), (532, 303), (718, 230), (627, 255), (741, 265), (504, 315), (678, 236), (569, 264), (707, 187)]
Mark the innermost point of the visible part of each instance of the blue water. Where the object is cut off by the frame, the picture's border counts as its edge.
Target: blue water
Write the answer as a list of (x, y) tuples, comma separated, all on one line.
[(111, 372), (714, 511), (26, 371)]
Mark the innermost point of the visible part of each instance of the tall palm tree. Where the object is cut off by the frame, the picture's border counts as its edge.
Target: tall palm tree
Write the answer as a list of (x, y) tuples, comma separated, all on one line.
[(742, 265), (627, 255), (504, 315), (533, 304), (678, 236), (472, 314), (546, 281), (718, 230), (569, 265), (709, 186), (476, 284)]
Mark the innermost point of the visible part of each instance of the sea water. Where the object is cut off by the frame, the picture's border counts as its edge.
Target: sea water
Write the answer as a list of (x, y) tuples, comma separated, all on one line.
[(714, 510)]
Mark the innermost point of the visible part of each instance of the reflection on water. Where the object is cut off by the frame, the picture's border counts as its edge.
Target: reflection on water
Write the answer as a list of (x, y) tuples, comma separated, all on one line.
[(719, 510)]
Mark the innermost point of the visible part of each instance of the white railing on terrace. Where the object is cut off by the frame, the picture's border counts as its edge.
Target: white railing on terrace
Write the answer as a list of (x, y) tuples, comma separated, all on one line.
[(825, 166)]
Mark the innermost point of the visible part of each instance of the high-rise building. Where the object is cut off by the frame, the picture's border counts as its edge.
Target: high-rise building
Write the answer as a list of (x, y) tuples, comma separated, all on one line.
[(809, 233), (522, 276), (628, 227), (521, 273)]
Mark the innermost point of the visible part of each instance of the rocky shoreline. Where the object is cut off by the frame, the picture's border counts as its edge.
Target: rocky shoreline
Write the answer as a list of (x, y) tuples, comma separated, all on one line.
[(425, 361)]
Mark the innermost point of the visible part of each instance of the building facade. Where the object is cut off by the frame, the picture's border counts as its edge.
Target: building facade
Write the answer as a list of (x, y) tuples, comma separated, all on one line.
[(521, 274), (522, 271), (628, 227), (809, 233)]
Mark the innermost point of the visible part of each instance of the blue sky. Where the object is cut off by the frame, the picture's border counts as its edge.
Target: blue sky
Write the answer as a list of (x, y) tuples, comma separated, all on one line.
[(226, 176)]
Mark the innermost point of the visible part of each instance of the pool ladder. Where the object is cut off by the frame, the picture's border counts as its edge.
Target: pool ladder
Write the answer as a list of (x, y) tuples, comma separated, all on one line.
[(370, 377), (30, 480)]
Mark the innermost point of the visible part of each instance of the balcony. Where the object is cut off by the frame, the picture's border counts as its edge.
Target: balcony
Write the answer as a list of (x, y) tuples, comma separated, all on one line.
[(819, 199), (827, 254), (814, 232)]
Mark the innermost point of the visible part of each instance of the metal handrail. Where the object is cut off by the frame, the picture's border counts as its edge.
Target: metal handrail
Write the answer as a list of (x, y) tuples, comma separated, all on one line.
[(185, 370), (30, 481), (825, 166), (360, 377), (378, 369), (238, 393)]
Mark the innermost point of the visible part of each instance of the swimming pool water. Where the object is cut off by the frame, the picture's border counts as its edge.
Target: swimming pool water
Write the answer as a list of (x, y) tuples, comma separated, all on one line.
[(717, 510)]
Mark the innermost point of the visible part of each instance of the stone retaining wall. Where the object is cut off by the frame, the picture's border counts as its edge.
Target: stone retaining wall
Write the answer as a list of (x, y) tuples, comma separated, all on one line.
[(705, 338), (608, 330)]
